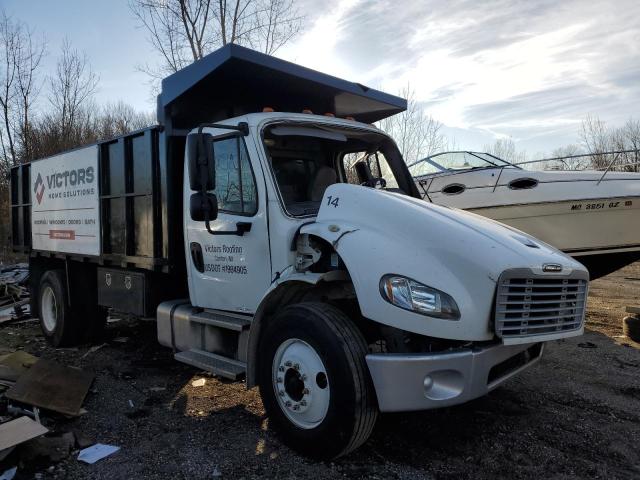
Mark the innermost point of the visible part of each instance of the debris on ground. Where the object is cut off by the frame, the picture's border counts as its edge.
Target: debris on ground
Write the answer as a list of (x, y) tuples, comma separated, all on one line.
[(13, 365), (19, 430), (48, 449), (9, 473), (96, 452), (52, 386), (200, 382), (93, 349), (631, 324), (14, 295)]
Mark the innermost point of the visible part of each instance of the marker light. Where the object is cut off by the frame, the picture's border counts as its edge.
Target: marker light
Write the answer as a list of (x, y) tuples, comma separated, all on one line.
[(306, 110), (267, 109), (416, 297)]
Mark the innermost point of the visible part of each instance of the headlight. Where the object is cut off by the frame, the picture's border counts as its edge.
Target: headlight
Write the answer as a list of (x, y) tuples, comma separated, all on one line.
[(416, 297)]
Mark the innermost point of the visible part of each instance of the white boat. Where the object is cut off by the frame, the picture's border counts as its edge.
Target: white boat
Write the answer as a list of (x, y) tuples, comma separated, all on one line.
[(593, 216)]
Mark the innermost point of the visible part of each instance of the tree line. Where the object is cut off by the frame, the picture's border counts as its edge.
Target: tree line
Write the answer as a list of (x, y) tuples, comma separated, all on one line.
[(44, 113)]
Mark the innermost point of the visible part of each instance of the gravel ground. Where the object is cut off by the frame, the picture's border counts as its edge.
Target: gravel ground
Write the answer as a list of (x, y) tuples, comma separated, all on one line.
[(574, 415)]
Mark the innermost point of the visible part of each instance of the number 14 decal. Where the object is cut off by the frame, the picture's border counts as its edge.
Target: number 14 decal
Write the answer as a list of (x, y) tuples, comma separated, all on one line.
[(333, 201)]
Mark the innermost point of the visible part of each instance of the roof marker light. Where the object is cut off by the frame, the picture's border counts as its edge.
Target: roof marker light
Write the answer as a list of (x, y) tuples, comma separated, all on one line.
[(306, 110), (350, 118), (267, 109), (329, 114)]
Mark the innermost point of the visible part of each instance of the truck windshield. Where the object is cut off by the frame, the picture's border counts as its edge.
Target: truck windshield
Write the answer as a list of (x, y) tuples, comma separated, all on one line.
[(307, 159)]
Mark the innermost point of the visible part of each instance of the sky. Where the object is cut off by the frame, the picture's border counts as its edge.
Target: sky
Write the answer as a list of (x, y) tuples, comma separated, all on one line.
[(528, 70)]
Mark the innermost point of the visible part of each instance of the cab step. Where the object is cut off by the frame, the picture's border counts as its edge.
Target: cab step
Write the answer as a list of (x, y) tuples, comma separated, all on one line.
[(226, 320), (211, 362)]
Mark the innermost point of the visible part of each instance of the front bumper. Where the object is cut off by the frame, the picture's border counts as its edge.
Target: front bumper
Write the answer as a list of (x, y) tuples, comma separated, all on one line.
[(406, 382)]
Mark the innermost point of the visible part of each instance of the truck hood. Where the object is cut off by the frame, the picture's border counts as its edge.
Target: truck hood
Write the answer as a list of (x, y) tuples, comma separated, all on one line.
[(378, 232)]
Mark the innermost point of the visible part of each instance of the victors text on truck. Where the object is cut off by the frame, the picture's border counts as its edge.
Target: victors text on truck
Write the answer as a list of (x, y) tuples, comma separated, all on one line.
[(292, 249)]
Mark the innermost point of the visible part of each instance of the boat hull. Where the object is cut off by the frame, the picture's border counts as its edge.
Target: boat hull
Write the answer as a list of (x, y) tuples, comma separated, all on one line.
[(608, 228)]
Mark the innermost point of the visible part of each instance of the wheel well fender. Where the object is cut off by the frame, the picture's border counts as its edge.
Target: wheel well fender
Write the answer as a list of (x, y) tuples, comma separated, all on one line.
[(290, 289)]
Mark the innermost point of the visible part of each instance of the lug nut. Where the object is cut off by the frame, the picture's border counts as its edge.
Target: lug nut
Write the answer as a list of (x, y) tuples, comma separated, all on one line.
[(279, 380), (305, 391), (296, 407), (303, 403), (287, 363), (296, 366), (304, 377), (281, 368), (281, 393), (287, 403)]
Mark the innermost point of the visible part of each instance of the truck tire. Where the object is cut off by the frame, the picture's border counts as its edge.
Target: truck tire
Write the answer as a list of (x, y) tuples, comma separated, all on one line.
[(56, 319), (314, 380)]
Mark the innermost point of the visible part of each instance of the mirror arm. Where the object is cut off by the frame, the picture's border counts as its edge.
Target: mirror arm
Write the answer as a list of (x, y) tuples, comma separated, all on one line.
[(241, 229)]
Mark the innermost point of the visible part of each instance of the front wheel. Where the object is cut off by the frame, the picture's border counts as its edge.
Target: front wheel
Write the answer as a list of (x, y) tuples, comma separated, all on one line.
[(314, 380)]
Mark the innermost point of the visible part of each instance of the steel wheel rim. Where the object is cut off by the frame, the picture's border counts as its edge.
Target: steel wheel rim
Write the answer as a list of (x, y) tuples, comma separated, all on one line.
[(49, 309), (301, 383)]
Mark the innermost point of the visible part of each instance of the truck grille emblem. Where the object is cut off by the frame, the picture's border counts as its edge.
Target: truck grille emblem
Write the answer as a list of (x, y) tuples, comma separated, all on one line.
[(551, 267), (39, 189)]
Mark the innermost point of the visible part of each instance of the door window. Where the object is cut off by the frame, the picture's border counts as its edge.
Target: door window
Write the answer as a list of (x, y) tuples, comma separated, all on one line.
[(235, 183)]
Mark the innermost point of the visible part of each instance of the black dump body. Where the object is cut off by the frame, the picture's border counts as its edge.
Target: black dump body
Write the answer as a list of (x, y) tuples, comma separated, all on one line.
[(140, 193)]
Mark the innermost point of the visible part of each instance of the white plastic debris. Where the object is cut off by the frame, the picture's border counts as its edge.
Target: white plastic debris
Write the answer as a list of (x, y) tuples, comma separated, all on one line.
[(96, 452), (198, 383), (9, 474)]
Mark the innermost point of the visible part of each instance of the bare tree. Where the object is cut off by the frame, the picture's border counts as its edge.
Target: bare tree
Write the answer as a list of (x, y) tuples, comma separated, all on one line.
[(71, 87), (596, 139), (119, 119), (19, 85), (631, 132), (506, 149), (417, 134), (183, 31)]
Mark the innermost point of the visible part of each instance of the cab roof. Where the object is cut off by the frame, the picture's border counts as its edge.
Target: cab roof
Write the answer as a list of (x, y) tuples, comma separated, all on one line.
[(234, 81)]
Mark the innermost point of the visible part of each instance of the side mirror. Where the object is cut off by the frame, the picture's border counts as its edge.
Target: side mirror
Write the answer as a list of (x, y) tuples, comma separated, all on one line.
[(203, 206), (202, 175)]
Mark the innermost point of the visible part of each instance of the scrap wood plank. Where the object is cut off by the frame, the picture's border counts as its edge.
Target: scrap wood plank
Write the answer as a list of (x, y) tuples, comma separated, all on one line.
[(52, 386), (13, 365), (19, 430)]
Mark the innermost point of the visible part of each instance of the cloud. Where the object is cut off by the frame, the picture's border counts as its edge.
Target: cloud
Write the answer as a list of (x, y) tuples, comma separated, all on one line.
[(527, 69)]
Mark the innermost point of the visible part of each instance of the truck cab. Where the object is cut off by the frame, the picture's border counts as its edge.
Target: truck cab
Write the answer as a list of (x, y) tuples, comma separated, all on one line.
[(316, 218), (313, 268)]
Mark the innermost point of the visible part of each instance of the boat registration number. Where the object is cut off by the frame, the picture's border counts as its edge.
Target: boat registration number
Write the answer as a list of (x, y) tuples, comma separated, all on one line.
[(601, 205)]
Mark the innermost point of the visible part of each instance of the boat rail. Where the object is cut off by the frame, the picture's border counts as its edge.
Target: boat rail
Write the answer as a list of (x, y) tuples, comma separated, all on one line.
[(425, 184)]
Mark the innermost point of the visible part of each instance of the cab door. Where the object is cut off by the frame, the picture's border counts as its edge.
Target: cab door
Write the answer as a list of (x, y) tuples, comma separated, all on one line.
[(228, 270)]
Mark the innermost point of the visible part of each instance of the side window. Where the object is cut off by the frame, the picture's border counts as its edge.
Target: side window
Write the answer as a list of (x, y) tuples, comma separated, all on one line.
[(381, 169), (235, 185), (378, 167)]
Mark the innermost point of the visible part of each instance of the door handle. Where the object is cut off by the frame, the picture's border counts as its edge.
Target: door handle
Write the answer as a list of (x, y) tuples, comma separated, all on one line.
[(196, 256), (241, 229)]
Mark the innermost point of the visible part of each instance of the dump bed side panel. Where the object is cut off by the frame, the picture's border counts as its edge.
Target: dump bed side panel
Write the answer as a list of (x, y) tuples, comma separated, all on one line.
[(117, 203), (65, 214)]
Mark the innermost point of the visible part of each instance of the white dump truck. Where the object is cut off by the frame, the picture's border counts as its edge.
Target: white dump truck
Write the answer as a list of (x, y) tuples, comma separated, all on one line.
[(289, 248)]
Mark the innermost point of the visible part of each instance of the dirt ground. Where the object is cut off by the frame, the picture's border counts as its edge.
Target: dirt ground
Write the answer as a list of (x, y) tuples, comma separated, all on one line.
[(574, 415)]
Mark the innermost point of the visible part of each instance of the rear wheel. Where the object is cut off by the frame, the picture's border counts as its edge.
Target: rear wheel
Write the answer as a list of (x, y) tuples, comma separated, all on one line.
[(54, 312), (65, 325), (314, 381)]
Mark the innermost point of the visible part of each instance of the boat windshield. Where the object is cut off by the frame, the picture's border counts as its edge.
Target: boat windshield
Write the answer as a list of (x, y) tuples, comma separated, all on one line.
[(454, 161)]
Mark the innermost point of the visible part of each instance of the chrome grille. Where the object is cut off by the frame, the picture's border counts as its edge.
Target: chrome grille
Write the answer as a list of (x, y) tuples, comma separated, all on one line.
[(538, 305)]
